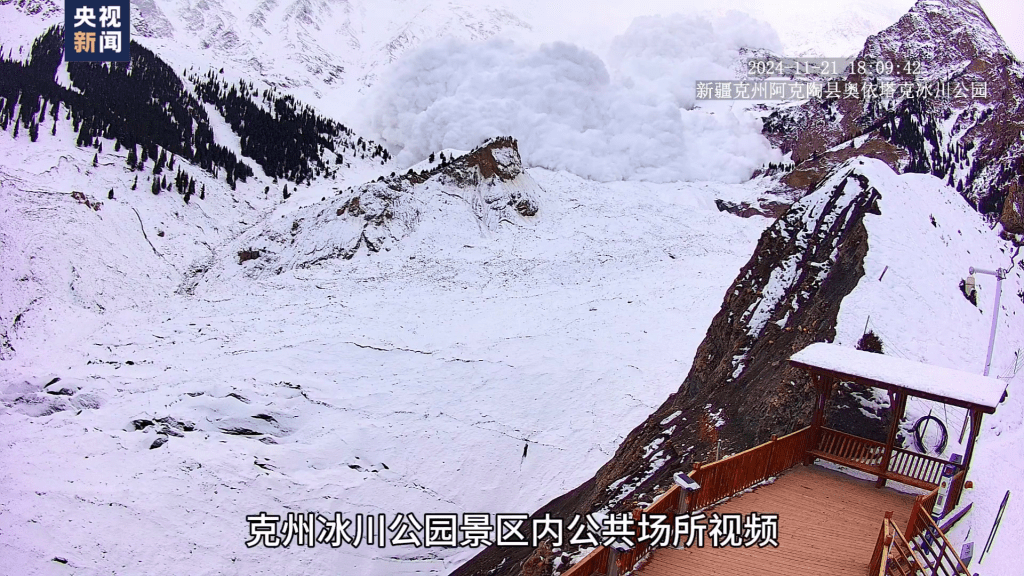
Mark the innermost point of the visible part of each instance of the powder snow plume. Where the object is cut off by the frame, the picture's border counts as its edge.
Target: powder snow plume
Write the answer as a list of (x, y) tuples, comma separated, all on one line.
[(569, 111)]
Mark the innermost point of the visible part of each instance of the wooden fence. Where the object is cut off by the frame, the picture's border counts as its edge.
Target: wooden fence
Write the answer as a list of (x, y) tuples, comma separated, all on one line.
[(603, 559), (904, 466), (921, 549), (916, 469), (718, 480), (847, 449), (732, 475)]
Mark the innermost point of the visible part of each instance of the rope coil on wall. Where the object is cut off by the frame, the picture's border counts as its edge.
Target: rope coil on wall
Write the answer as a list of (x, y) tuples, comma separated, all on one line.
[(919, 434)]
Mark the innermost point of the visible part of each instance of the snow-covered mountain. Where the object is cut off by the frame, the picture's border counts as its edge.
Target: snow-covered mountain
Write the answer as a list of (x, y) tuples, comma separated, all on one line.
[(243, 304), (972, 139)]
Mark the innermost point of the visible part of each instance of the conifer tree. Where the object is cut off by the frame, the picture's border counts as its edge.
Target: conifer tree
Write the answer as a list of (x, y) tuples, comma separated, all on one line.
[(286, 194), (202, 193), (95, 159), (133, 158), (135, 184), (110, 195)]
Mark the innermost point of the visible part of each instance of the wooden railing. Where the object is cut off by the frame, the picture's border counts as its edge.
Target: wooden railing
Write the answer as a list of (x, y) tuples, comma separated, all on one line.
[(602, 559), (732, 475), (908, 467), (667, 504), (885, 536), (921, 549), (893, 554), (594, 563), (916, 469), (932, 545), (922, 505), (847, 449), (955, 491), (717, 480)]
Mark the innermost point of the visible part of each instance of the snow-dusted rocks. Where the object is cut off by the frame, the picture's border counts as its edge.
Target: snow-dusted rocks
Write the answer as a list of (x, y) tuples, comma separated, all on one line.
[(479, 190)]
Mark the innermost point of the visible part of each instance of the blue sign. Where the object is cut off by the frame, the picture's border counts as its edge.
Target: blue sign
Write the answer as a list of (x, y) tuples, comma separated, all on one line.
[(96, 30)]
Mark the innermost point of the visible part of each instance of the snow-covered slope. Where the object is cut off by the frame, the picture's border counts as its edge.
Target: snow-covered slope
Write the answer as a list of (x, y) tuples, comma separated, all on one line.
[(409, 380), (459, 199), (921, 247), (458, 342), (863, 244)]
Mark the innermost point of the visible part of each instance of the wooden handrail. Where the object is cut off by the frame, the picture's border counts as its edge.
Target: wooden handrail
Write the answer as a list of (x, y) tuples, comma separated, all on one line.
[(894, 553), (594, 563), (926, 541), (718, 480), (922, 505), (853, 437), (877, 564), (734, 474)]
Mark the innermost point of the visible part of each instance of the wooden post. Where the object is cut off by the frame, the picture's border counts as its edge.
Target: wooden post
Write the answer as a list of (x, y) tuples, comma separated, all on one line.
[(687, 503), (975, 431), (613, 561), (821, 384), (899, 405), (771, 454), (918, 507)]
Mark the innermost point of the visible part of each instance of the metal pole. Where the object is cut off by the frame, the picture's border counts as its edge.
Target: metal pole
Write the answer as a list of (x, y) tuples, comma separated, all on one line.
[(999, 274)]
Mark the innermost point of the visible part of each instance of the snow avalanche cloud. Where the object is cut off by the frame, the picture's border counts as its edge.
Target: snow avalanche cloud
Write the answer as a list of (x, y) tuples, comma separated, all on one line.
[(569, 112)]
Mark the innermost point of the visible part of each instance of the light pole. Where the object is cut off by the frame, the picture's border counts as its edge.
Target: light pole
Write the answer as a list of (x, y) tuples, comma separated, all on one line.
[(999, 274)]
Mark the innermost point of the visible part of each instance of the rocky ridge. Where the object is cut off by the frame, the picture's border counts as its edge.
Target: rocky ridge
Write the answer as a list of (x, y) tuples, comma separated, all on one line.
[(974, 141), (373, 217)]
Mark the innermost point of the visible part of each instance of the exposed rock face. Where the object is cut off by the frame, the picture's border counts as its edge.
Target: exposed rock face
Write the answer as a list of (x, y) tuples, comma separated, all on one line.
[(973, 141), (374, 216), (741, 385), (745, 209)]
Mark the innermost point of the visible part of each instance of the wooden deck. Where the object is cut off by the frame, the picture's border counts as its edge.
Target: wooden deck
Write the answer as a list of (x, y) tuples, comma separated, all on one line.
[(828, 525)]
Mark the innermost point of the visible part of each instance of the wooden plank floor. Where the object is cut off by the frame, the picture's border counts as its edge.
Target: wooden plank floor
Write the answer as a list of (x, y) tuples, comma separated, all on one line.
[(828, 525)]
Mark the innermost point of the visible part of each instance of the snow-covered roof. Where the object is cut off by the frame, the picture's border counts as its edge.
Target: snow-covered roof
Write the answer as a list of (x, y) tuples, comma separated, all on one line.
[(924, 380)]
